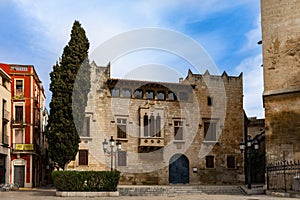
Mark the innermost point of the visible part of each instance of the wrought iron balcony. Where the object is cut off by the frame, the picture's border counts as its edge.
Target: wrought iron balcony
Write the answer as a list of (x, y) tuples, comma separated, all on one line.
[(19, 95), (151, 141), (19, 123)]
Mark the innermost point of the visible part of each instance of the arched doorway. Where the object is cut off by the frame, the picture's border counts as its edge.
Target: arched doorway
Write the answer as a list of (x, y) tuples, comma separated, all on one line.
[(179, 169)]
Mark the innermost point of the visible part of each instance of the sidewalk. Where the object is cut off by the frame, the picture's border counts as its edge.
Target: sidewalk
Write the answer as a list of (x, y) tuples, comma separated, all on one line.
[(49, 194)]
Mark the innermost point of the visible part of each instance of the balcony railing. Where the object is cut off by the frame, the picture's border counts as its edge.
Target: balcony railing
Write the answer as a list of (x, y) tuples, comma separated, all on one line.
[(19, 94), (6, 115), (19, 122), (152, 141)]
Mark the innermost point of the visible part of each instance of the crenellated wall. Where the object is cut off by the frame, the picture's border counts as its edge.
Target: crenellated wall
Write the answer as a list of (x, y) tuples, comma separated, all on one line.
[(148, 158)]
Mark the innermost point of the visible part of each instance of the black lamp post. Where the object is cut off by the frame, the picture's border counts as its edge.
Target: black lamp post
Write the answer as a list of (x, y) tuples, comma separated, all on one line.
[(250, 147), (111, 153)]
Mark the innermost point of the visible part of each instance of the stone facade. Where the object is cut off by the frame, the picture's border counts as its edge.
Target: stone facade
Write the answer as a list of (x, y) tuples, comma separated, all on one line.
[(281, 62), (186, 133), (255, 126), (5, 122), (27, 142)]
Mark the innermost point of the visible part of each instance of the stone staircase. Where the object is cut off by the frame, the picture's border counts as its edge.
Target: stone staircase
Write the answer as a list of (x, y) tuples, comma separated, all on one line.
[(175, 190)]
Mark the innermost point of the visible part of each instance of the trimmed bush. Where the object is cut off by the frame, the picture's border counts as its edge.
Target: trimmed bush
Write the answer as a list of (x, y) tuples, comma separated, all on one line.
[(86, 180)]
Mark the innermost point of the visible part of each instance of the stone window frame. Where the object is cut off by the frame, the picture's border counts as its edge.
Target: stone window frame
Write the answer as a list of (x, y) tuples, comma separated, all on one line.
[(156, 113), (176, 125), (83, 157), (122, 121), (214, 162), (210, 101), (215, 121), (86, 127), (149, 94)]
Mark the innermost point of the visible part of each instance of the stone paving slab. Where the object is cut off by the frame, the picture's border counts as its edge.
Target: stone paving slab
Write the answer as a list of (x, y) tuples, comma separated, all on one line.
[(50, 195)]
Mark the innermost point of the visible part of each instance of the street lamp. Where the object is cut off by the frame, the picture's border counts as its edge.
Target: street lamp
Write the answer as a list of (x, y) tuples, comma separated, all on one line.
[(250, 147), (111, 153)]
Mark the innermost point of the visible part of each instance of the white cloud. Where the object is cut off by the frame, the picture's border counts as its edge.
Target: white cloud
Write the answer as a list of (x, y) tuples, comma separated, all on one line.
[(252, 72), (253, 36), (52, 20), (252, 85), (102, 19)]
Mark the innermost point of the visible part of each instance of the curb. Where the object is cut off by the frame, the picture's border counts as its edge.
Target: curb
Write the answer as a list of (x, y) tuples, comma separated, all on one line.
[(283, 194), (87, 194)]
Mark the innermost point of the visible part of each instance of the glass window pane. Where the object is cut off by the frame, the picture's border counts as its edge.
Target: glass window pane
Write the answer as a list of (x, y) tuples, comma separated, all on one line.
[(19, 136), (210, 132)]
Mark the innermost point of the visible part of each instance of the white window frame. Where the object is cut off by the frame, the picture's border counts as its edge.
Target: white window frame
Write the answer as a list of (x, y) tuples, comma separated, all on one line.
[(14, 107), (15, 93), (121, 123)]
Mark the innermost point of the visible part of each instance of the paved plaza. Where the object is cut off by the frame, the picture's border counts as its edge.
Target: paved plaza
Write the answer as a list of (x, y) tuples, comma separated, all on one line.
[(45, 194)]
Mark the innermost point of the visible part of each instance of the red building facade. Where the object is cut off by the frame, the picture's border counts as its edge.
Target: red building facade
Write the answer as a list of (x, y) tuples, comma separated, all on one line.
[(27, 140)]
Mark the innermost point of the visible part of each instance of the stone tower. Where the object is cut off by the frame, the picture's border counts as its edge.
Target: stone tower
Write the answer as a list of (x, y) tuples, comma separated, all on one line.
[(281, 63)]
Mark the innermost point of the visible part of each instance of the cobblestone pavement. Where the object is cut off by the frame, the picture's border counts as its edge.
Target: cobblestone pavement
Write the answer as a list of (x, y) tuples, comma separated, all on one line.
[(40, 194)]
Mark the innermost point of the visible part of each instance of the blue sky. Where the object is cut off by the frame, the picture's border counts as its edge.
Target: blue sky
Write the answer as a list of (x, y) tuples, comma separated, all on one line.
[(35, 32)]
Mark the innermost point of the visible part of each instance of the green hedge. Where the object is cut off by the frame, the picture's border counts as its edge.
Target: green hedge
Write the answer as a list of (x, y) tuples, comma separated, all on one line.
[(86, 180)]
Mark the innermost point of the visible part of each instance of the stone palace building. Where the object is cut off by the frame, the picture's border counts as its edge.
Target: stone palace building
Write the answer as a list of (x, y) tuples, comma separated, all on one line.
[(171, 133)]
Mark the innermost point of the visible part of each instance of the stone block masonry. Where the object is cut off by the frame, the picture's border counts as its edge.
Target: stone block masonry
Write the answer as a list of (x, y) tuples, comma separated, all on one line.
[(171, 133)]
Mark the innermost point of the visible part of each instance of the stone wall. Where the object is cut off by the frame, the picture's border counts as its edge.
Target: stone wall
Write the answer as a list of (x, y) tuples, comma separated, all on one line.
[(282, 127), (281, 61), (281, 46), (255, 126), (148, 163)]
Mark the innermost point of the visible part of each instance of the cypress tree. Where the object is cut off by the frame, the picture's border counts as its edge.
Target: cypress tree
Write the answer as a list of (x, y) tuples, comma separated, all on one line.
[(67, 112)]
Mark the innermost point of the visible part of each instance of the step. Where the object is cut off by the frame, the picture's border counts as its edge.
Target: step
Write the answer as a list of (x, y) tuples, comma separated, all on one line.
[(161, 190)]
